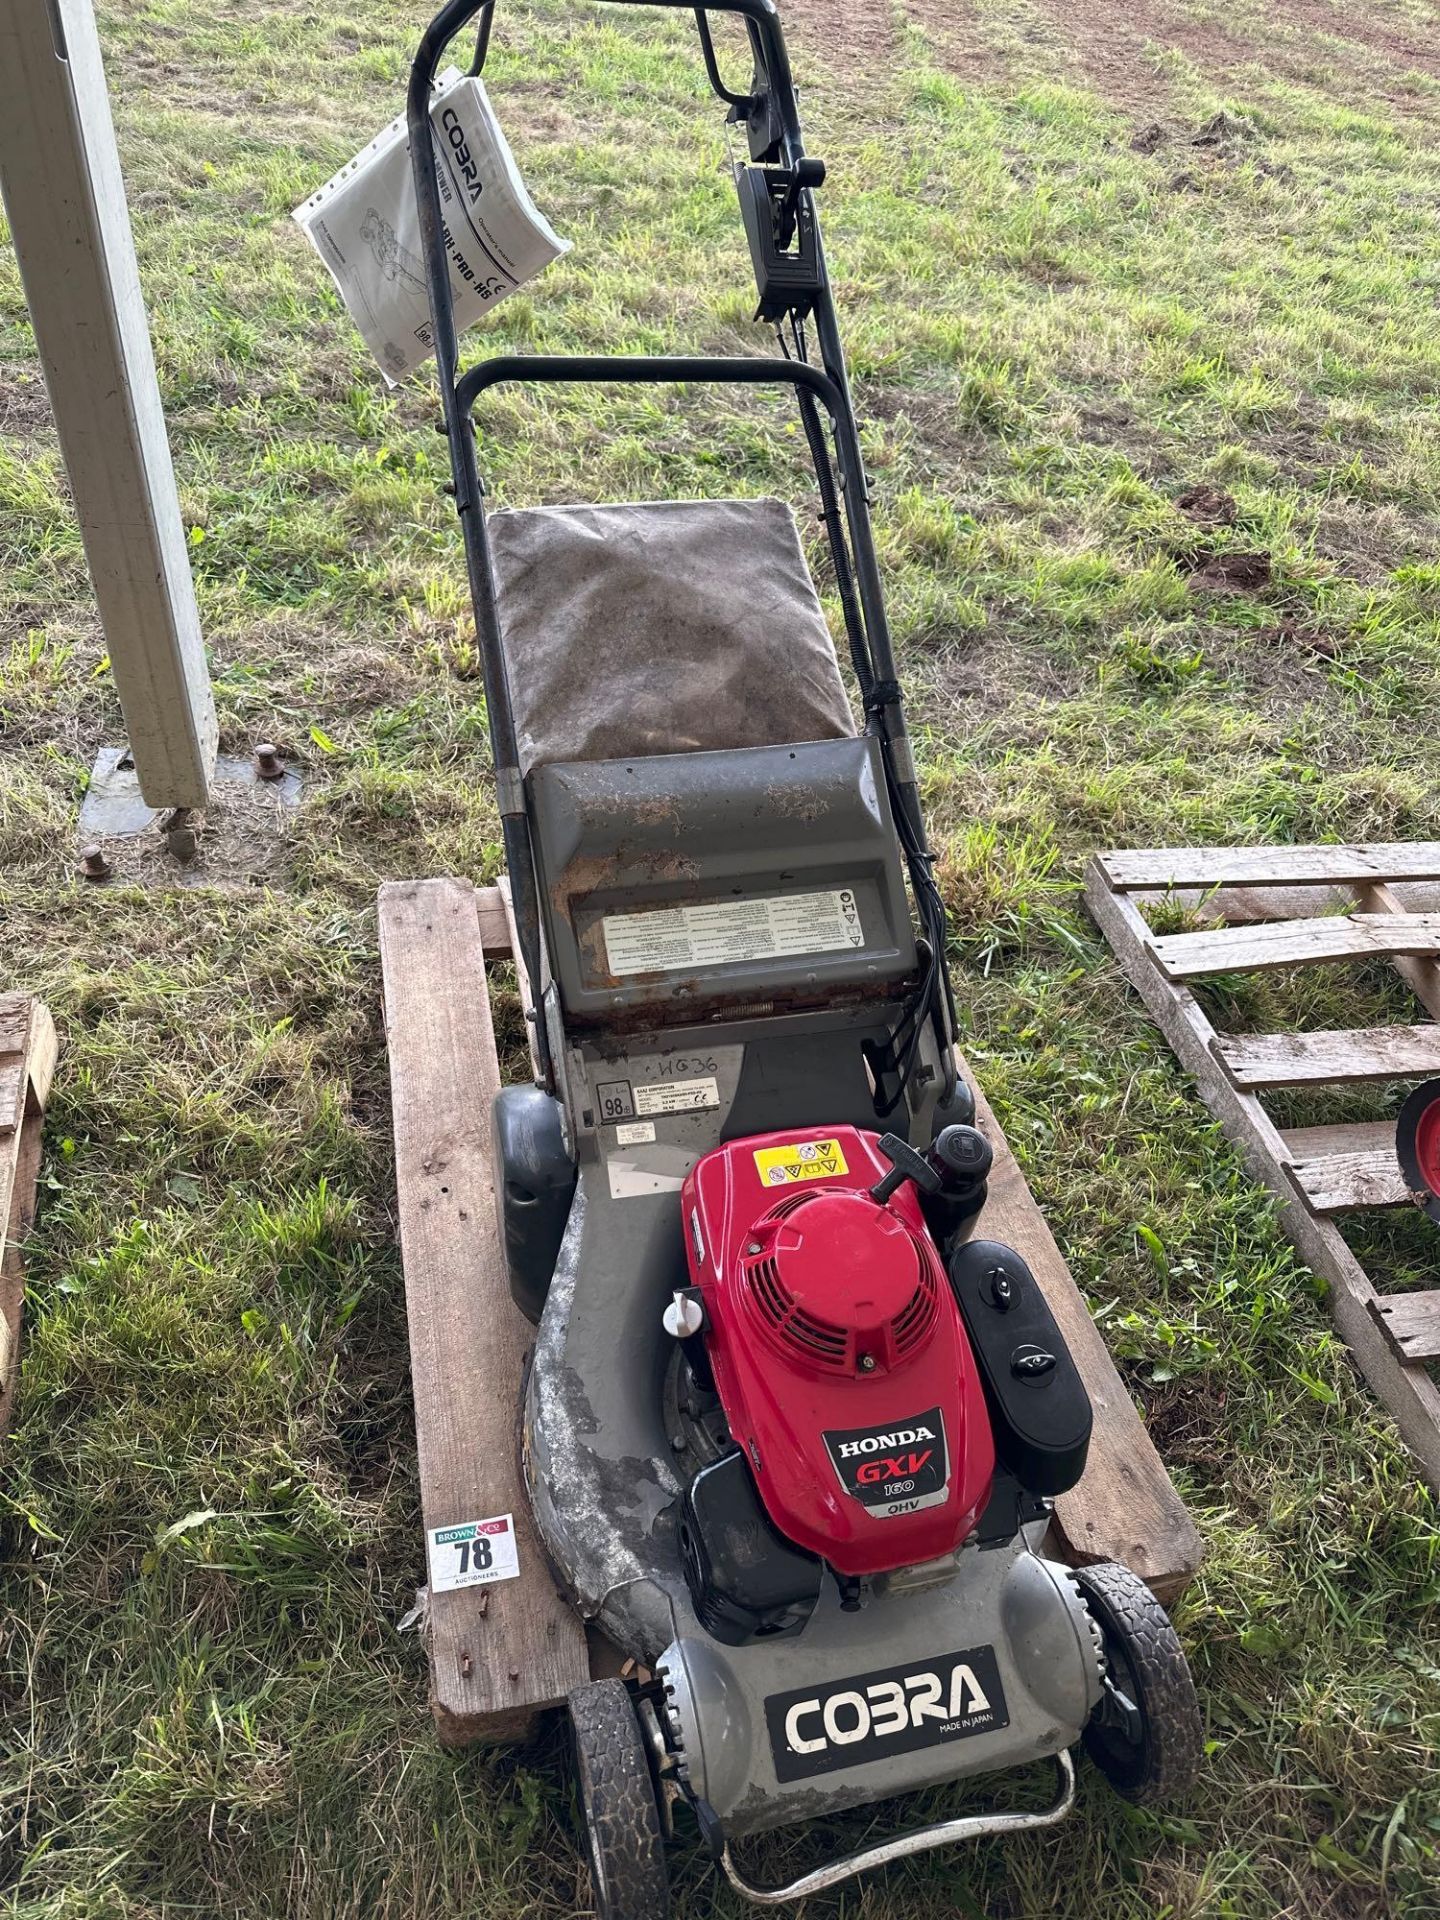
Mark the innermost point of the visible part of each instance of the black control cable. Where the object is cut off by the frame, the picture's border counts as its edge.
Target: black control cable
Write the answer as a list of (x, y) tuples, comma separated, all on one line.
[(905, 1041)]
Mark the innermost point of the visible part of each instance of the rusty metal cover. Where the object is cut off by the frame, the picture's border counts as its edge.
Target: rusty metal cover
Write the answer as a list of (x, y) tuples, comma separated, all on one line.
[(764, 876)]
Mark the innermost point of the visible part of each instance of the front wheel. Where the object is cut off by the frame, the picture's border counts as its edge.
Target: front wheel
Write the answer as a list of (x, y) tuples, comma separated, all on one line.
[(624, 1841), (1146, 1735)]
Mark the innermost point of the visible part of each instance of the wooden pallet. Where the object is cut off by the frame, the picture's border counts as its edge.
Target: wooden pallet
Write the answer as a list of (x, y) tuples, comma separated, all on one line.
[(1273, 902), (499, 1654), (27, 1065)]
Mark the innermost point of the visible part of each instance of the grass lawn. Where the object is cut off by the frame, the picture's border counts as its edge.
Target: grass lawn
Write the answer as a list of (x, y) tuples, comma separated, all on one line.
[(1089, 257)]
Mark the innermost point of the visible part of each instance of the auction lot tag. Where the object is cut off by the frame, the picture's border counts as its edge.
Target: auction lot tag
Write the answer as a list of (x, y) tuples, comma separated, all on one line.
[(472, 1554), (799, 1160)]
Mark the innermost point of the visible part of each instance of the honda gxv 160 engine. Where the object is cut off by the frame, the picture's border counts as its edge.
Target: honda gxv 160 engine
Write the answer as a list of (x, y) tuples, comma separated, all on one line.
[(822, 1316)]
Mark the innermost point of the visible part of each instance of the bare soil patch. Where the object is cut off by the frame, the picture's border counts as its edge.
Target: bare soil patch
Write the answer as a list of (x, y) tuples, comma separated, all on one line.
[(1365, 26), (863, 33), (1108, 41), (1230, 573), (953, 26), (1207, 506), (24, 405)]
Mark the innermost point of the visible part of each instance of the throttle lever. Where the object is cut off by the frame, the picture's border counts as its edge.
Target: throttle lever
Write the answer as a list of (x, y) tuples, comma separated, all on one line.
[(809, 173)]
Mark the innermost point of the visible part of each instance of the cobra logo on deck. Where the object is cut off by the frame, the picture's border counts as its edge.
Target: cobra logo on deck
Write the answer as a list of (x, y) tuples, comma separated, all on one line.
[(895, 1710)]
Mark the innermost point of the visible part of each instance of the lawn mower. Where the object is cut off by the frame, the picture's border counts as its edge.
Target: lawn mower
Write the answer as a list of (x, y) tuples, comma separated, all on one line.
[(793, 1425)]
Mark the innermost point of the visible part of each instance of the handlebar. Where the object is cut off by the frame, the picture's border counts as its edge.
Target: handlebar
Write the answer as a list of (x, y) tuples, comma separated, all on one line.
[(652, 369)]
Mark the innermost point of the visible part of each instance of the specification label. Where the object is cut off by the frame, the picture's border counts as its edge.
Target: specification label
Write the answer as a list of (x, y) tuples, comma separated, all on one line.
[(677, 1096), (668, 939)]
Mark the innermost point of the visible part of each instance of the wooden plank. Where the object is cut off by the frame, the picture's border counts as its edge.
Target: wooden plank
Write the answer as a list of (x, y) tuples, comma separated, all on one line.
[(1294, 943), (1421, 976), (1163, 868), (1125, 1507), (1341, 1168), (522, 973), (19, 1219), (1242, 906), (1409, 1393), (1303, 1059), (497, 1653), (25, 1026), (1411, 1321), (494, 919), (13, 1082), (65, 198)]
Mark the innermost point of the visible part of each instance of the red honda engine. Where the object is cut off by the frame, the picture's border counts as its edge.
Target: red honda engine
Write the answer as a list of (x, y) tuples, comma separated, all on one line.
[(837, 1349)]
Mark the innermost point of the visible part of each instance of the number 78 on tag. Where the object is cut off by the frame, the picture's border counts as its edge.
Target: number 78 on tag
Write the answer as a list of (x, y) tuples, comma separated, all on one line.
[(473, 1553)]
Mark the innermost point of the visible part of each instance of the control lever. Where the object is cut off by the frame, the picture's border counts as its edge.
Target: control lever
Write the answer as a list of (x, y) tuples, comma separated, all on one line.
[(809, 173)]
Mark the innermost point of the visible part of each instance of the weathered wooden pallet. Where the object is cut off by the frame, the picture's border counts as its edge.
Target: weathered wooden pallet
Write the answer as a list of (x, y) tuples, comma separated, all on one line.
[(1273, 903), (27, 1065), (499, 1654)]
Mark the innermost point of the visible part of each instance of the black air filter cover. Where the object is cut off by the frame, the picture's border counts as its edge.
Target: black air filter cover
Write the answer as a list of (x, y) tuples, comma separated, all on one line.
[(1039, 1408)]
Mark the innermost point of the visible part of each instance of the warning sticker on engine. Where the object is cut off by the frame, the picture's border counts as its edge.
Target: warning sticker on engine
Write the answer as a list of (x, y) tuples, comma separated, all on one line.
[(667, 939), (796, 1160)]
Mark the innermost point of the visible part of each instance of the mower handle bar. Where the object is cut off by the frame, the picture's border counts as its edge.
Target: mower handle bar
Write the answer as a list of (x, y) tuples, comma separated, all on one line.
[(827, 383), (651, 369)]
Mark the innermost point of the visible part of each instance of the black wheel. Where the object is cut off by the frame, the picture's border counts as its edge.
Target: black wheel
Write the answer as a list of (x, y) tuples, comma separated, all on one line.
[(1417, 1143), (624, 1843), (1146, 1735)]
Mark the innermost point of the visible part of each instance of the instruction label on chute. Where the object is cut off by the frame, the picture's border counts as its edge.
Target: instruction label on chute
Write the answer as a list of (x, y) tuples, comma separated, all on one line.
[(674, 939)]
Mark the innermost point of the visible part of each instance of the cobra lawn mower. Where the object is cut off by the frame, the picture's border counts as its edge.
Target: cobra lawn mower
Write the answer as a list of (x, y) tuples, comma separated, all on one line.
[(793, 1424)]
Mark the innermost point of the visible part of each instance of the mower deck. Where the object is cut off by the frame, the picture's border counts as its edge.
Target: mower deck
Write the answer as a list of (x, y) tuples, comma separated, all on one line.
[(502, 1652)]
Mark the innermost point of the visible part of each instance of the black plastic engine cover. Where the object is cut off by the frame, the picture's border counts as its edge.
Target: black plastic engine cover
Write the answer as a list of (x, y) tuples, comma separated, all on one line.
[(1038, 1404), (745, 1578), (534, 1185)]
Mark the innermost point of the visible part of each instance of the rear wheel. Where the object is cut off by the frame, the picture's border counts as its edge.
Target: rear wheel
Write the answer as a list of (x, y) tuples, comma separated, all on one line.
[(619, 1815), (1417, 1142), (1146, 1735)]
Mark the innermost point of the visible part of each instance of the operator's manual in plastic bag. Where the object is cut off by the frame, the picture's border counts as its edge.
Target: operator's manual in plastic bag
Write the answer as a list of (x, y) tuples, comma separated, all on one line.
[(365, 226)]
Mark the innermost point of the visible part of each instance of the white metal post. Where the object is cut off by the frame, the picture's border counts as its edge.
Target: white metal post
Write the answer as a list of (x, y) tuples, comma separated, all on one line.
[(65, 200)]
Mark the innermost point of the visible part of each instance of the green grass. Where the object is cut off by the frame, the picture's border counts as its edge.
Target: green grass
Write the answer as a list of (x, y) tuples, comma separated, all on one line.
[(211, 1525)]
